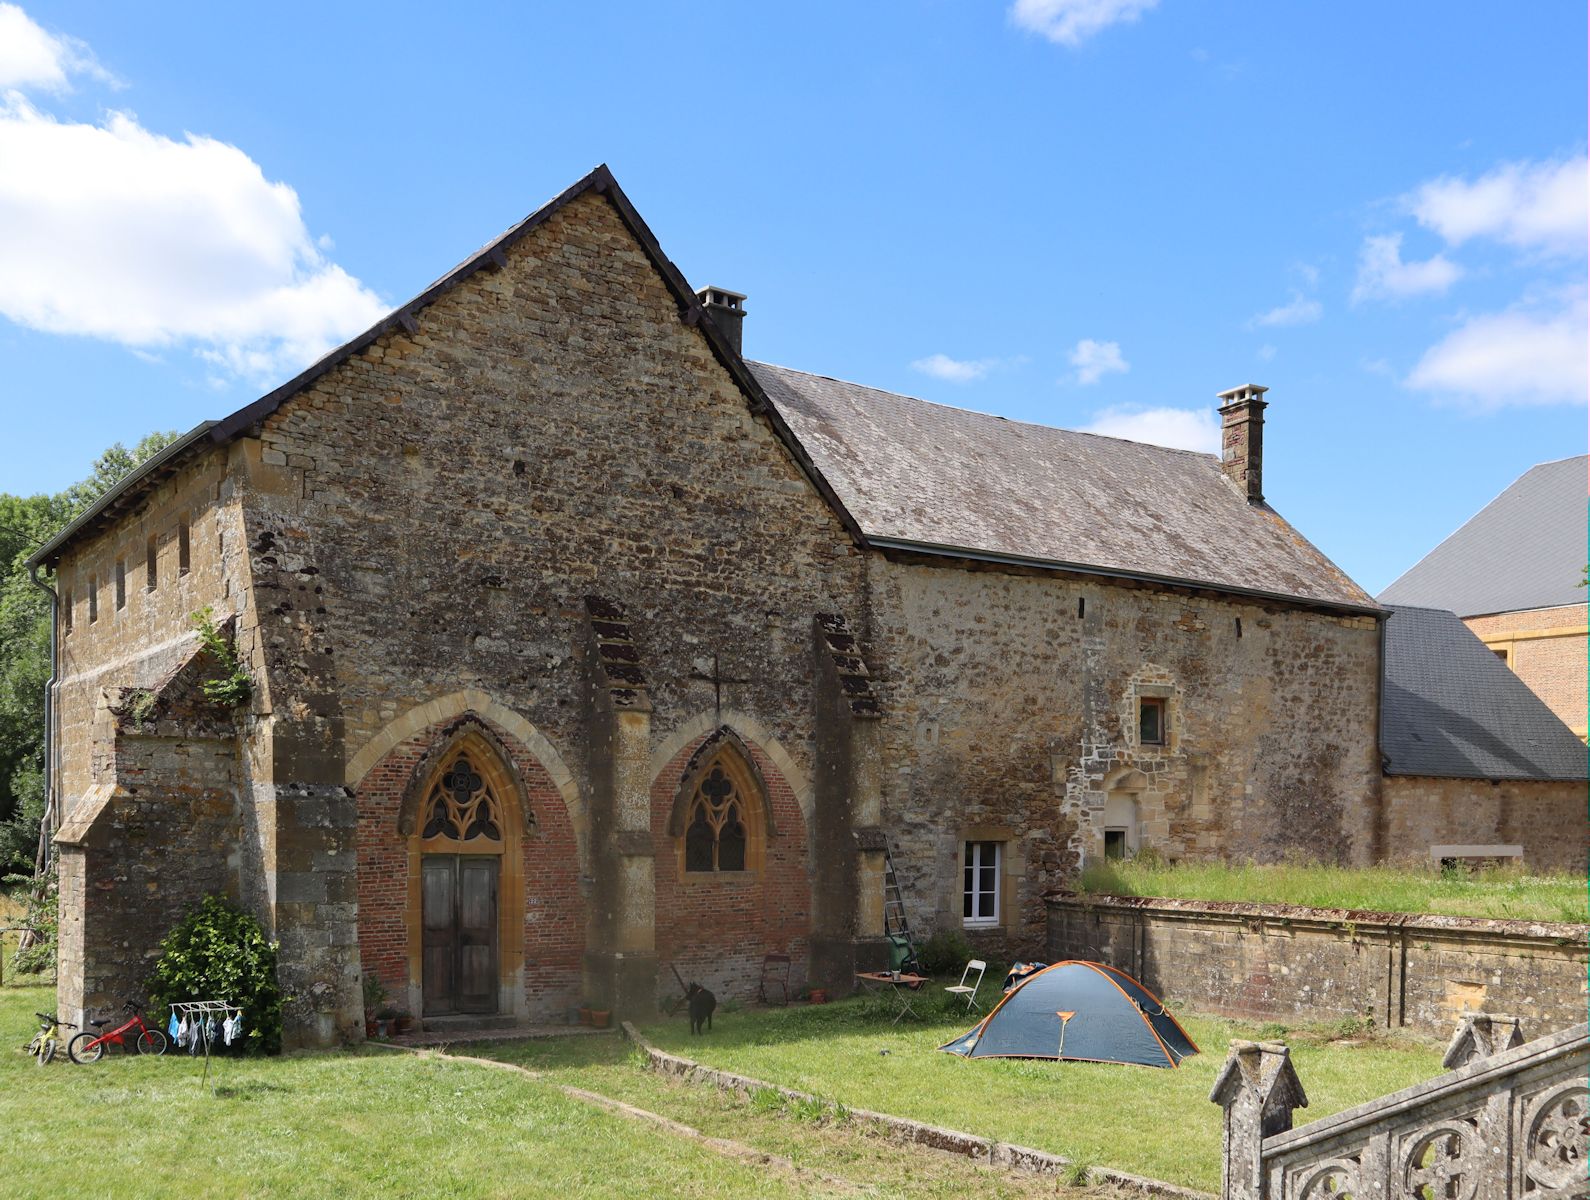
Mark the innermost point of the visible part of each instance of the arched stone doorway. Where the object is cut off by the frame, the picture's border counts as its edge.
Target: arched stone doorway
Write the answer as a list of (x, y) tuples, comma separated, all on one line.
[(465, 820)]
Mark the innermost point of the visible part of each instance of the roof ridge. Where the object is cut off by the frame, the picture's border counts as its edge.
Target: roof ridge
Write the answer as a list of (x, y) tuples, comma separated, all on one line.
[(977, 412)]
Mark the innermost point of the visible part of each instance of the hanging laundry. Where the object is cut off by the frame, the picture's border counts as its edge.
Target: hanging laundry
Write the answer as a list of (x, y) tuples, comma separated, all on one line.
[(174, 1026)]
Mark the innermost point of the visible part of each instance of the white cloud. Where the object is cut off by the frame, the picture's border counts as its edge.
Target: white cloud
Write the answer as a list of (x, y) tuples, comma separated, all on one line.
[(1265, 352), (1299, 310), (1532, 205), (31, 57), (1382, 271), (1093, 360), (191, 245), (1072, 22), (955, 370), (1182, 428), (1515, 357)]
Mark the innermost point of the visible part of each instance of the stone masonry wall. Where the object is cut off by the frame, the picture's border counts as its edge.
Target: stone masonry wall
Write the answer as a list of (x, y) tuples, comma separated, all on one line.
[(1278, 962), (1547, 650), (1548, 818), (137, 643), (1011, 715)]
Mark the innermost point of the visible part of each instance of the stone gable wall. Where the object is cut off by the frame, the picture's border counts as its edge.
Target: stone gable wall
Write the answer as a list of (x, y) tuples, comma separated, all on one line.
[(1012, 717), (1546, 817)]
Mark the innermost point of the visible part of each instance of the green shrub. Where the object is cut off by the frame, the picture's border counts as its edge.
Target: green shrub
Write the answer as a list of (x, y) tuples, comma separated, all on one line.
[(945, 953), (219, 952)]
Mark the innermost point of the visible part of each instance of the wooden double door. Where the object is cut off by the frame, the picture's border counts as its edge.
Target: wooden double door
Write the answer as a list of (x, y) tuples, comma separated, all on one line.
[(459, 897)]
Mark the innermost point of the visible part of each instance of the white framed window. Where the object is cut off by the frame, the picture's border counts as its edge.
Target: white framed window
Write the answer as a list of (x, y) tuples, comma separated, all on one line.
[(980, 884)]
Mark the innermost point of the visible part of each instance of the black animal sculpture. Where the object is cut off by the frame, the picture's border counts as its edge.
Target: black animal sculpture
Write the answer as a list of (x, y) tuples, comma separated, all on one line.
[(702, 1002)]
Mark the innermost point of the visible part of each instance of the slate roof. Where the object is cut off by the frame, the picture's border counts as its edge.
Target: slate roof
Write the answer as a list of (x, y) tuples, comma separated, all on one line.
[(1451, 708), (1525, 549), (920, 475)]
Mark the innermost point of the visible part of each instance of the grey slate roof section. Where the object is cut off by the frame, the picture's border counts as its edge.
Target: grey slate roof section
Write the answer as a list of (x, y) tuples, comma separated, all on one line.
[(1525, 549), (1451, 708), (913, 472)]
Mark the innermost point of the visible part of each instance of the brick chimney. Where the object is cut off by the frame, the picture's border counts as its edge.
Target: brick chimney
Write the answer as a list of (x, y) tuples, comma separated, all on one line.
[(1242, 438), (728, 311)]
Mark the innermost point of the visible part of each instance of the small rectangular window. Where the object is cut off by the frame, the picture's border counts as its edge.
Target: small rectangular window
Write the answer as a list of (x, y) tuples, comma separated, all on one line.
[(980, 884), (66, 610), (93, 598), (1502, 653), (1115, 843), (121, 584), (182, 547), (1151, 721), (151, 564)]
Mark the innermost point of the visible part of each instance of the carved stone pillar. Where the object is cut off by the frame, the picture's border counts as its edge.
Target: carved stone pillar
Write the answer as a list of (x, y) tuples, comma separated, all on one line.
[(1258, 1089)]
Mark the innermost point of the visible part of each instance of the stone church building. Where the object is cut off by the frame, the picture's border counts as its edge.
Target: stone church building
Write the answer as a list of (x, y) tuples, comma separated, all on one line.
[(584, 648)]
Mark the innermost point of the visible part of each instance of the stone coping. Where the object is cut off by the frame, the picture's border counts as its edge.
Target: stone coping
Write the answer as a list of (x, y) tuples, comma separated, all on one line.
[(1005, 1155), (1552, 931)]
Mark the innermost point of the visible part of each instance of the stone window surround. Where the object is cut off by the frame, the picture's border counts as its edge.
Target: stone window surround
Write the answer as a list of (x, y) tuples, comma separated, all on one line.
[(754, 805), (1172, 722), (1011, 865)]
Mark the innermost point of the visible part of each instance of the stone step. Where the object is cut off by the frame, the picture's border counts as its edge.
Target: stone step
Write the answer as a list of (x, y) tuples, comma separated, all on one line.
[(467, 1023)]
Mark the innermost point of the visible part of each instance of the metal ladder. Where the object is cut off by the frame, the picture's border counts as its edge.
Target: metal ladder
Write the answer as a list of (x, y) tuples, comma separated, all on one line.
[(895, 923)]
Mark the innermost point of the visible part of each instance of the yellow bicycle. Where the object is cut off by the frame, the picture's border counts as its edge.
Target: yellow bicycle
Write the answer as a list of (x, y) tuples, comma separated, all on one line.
[(48, 1039)]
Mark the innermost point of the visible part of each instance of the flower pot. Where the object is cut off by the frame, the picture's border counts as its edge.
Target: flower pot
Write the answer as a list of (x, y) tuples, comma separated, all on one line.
[(819, 996), (601, 1018), (585, 1015), (369, 1027), (381, 1027)]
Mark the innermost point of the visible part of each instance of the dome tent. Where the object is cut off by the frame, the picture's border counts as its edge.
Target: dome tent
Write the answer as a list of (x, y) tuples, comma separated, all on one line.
[(1078, 1011)]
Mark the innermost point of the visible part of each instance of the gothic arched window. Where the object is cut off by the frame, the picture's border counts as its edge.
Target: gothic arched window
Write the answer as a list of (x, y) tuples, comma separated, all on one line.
[(462, 806), (724, 829)]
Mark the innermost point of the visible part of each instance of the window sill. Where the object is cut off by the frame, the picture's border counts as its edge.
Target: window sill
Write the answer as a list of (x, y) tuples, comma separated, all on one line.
[(705, 878)]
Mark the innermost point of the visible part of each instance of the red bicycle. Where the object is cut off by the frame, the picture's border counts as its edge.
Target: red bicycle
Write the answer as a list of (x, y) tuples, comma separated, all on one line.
[(89, 1047)]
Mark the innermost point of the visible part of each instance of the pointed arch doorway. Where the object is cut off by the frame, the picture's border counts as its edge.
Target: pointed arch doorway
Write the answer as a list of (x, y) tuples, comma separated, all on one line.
[(466, 886)]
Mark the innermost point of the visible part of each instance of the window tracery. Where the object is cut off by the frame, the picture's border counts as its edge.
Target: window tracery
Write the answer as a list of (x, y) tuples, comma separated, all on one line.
[(723, 825), (462, 806)]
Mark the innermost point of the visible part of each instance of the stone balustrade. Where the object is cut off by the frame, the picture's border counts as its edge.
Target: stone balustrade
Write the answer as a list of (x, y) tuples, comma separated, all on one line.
[(1511, 1122)]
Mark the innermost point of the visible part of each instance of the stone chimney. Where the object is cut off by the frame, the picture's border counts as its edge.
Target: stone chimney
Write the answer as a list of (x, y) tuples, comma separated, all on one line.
[(727, 310), (1242, 438)]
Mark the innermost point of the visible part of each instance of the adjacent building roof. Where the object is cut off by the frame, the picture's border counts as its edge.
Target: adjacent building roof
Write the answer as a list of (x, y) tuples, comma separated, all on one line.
[(1450, 707), (917, 475), (1525, 549)]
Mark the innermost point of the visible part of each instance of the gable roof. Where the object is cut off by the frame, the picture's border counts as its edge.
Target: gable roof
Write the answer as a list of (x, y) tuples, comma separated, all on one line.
[(930, 478), (924, 476), (138, 482), (1450, 707), (1525, 549)]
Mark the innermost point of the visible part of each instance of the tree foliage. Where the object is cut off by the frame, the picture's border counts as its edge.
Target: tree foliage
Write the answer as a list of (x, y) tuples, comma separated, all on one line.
[(26, 522)]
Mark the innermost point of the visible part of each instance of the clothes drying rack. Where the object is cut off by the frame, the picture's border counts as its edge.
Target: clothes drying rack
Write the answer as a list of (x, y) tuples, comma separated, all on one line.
[(199, 1012)]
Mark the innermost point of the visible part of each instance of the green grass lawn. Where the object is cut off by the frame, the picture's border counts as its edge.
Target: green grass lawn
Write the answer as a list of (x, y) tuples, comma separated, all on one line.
[(1491, 892), (377, 1124), (1152, 1122)]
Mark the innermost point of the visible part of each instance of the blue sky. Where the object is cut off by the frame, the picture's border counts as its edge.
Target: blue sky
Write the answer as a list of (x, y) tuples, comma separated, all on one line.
[(1089, 213)]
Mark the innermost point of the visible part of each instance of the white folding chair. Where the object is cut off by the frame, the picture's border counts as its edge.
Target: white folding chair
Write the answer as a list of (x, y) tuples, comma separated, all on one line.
[(961, 989)]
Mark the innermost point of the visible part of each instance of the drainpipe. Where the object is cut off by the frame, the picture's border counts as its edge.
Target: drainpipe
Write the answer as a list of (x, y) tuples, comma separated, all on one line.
[(41, 860)]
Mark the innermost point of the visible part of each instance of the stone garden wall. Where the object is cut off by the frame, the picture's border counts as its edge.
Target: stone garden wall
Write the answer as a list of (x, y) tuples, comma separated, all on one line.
[(1280, 962)]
